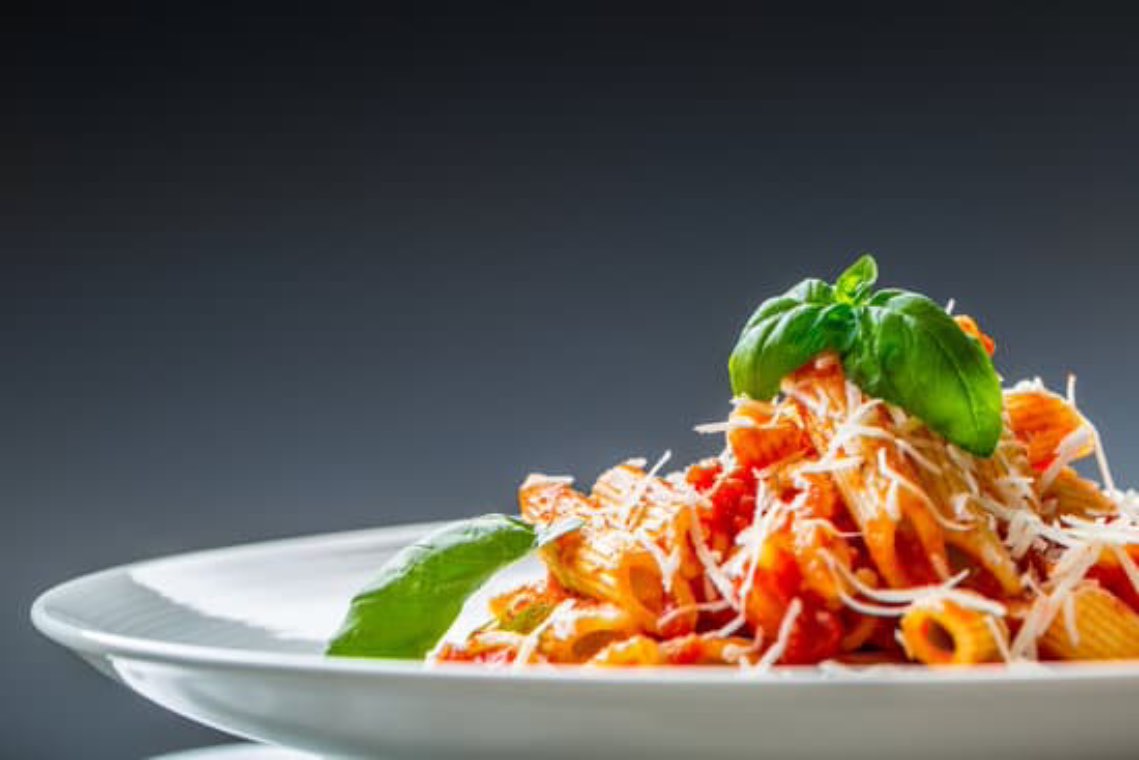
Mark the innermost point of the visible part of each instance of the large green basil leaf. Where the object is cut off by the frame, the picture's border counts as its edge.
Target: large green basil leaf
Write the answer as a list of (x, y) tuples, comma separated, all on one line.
[(911, 353), (421, 590), (785, 333)]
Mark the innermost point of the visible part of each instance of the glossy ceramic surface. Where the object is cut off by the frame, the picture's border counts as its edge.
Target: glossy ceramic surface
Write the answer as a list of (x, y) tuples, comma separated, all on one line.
[(238, 752), (233, 638)]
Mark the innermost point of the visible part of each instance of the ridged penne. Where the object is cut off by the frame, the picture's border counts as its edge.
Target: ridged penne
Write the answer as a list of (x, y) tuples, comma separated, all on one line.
[(762, 434), (942, 632), (660, 514), (1042, 420), (583, 629), (880, 487), (1097, 626), (1070, 494), (950, 479), (627, 554)]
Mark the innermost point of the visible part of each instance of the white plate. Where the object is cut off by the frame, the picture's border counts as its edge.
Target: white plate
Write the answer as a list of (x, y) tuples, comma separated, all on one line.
[(233, 637)]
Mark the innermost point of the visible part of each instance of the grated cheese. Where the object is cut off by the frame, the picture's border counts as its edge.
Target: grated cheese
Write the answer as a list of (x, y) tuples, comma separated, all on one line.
[(999, 636), (965, 465), (712, 570), (639, 490), (1065, 576), (1119, 532), (724, 426), (822, 466), (1066, 452), (779, 647), (717, 606), (530, 644), (1097, 442), (537, 479)]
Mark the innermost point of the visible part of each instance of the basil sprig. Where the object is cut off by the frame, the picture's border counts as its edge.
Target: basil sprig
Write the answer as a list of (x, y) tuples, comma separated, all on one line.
[(895, 345), (420, 591)]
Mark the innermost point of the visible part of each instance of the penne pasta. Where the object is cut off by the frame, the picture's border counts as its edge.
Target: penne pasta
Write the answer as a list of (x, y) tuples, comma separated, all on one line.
[(627, 551), (1042, 421), (893, 513), (581, 630), (950, 479), (1070, 494), (1098, 627), (942, 632), (761, 435)]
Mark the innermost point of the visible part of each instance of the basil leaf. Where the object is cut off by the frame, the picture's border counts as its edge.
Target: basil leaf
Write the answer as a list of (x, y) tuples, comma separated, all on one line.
[(853, 285), (911, 353), (421, 590), (785, 333)]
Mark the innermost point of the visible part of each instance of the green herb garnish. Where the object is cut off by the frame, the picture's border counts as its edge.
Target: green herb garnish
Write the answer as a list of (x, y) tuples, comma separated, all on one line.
[(421, 590), (894, 344)]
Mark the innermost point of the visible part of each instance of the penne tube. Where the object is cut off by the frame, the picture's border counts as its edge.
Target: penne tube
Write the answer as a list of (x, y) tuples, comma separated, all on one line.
[(1099, 626), (634, 564), (661, 515), (942, 632), (1042, 421), (583, 629), (1070, 494), (950, 480), (882, 493), (761, 435)]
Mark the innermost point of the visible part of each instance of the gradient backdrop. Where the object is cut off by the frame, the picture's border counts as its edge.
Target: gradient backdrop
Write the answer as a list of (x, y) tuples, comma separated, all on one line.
[(268, 274)]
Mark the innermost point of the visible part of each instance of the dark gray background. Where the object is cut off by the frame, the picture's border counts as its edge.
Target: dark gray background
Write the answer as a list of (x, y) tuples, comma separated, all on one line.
[(272, 273)]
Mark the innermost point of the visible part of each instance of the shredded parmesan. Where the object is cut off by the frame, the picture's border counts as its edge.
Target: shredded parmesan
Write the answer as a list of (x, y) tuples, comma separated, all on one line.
[(724, 426), (1119, 532), (720, 605), (965, 466), (530, 644), (1066, 452), (827, 466), (1064, 578), (537, 478), (778, 647), (638, 492), (999, 636), (1101, 459)]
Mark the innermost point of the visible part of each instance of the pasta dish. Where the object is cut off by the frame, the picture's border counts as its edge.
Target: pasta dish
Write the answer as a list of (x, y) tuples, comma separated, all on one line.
[(879, 498)]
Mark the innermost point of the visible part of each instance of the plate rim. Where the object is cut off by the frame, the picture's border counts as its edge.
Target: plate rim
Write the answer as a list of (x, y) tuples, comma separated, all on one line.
[(102, 643)]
